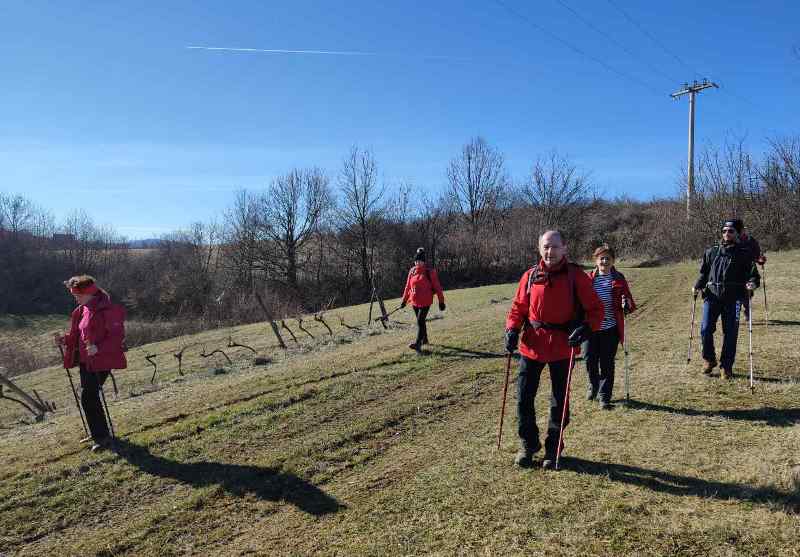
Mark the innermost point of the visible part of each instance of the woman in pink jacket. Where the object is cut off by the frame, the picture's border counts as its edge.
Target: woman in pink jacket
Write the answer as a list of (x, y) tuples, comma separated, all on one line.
[(95, 343), (421, 285)]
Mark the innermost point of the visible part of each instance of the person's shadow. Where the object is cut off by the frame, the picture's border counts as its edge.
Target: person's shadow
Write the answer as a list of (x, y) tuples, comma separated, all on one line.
[(457, 351), (776, 417), (664, 482), (264, 483)]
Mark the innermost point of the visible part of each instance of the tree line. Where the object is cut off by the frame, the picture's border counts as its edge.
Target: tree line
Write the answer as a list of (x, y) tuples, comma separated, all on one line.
[(312, 239)]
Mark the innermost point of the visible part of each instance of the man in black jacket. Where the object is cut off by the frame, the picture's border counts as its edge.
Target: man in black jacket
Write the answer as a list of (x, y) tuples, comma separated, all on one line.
[(727, 275)]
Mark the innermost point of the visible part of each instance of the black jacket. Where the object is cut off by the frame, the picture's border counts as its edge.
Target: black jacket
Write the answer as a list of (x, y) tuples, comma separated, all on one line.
[(725, 271)]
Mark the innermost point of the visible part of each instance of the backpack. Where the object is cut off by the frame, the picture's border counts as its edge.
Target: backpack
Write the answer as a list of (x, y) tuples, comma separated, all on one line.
[(427, 273), (114, 317)]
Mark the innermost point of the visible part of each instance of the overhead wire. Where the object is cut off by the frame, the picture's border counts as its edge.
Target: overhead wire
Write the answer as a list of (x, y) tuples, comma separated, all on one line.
[(650, 36), (616, 42), (576, 49), (671, 53)]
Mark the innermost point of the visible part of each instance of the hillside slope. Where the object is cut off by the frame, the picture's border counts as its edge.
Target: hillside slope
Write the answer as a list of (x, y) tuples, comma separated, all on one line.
[(355, 445)]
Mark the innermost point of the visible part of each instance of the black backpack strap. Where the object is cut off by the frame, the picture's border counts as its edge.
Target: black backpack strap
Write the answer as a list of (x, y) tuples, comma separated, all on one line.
[(531, 274)]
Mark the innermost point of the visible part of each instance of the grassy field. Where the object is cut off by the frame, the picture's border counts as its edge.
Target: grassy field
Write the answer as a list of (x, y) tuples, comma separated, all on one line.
[(354, 445)]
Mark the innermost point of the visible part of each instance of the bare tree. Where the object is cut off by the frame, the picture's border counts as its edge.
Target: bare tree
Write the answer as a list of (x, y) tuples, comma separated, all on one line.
[(188, 260), (435, 218), (361, 206), (726, 184), (556, 190), (477, 183), (241, 238), (291, 211)]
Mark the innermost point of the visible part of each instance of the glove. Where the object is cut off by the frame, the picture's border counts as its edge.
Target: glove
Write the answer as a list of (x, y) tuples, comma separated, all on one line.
[(442, 306), (402, 304), (512, 340), (91, 349), (579, 335)]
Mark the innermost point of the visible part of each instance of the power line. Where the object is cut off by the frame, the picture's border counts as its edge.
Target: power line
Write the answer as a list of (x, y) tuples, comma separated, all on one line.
[(631, 53), (652, 38), (574, 48), (670, 52)]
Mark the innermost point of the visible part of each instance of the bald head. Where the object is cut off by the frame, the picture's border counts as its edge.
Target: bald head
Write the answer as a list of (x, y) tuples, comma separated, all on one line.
[(552, 247)]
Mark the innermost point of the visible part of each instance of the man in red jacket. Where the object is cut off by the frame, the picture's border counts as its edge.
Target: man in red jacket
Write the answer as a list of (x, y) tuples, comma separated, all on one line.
[(555, 309)]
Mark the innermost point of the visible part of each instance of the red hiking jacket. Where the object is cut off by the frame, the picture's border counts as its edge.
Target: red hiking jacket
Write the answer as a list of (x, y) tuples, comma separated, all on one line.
[(422, 283), (619, 288), (101, 323), (552, 302)]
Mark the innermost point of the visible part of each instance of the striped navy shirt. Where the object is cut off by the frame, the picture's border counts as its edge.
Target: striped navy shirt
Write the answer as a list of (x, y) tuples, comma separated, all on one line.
[(602, 285)]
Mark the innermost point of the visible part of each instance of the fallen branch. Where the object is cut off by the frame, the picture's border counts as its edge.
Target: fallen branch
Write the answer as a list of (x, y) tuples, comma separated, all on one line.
[(284, 326), (150, 359), (345, 325), (300, 324), (321, 319), (232, 344), (179, 356), (217, 351), (36, 407)]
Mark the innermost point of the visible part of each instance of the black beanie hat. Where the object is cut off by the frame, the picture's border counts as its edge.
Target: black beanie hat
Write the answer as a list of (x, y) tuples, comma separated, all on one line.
[(736, 224), (420, 255)]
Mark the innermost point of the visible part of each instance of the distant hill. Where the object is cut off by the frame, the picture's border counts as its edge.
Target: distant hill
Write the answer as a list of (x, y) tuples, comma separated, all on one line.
[(145, 243)]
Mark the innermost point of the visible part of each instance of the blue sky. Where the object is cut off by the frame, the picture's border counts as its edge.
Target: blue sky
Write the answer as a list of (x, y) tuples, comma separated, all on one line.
[(103, 107)]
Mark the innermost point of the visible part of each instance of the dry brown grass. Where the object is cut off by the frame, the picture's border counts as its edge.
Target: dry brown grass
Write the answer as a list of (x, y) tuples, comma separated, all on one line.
[(354, 445)]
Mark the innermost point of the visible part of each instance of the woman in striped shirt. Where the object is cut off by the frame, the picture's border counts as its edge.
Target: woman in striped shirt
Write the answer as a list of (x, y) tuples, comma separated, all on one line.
[(612, 288)]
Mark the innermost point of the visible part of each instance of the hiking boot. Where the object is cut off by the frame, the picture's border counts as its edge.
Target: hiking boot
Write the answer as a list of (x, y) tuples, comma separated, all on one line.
[(591, 393), (708, 366), (524, 457), (101, 444), (549, 461), (413, 346), (725, 373)]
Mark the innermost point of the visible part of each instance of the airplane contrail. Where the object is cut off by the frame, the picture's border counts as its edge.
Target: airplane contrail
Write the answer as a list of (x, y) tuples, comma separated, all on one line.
[(317, 52)]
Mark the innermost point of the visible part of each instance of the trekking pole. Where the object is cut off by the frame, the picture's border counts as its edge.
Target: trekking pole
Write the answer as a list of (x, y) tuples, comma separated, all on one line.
[(74, 393), (764, 286), (383, 318), (503, 406), (108, 414), (750, 336), (566, 405), (627, 372), (691, 331)]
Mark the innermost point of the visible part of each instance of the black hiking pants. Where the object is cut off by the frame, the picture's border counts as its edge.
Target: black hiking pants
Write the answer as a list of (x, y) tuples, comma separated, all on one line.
[(530, 372), (422, 328), (600, 362), (91, 383)]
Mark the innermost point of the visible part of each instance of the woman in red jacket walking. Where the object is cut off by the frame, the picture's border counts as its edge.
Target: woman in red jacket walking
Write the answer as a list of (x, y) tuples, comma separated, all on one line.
[(421, 285), (612, 288), (94, 342)]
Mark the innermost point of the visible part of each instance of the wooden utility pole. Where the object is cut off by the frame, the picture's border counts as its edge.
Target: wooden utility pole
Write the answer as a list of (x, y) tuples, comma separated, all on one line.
[(692, 91)]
